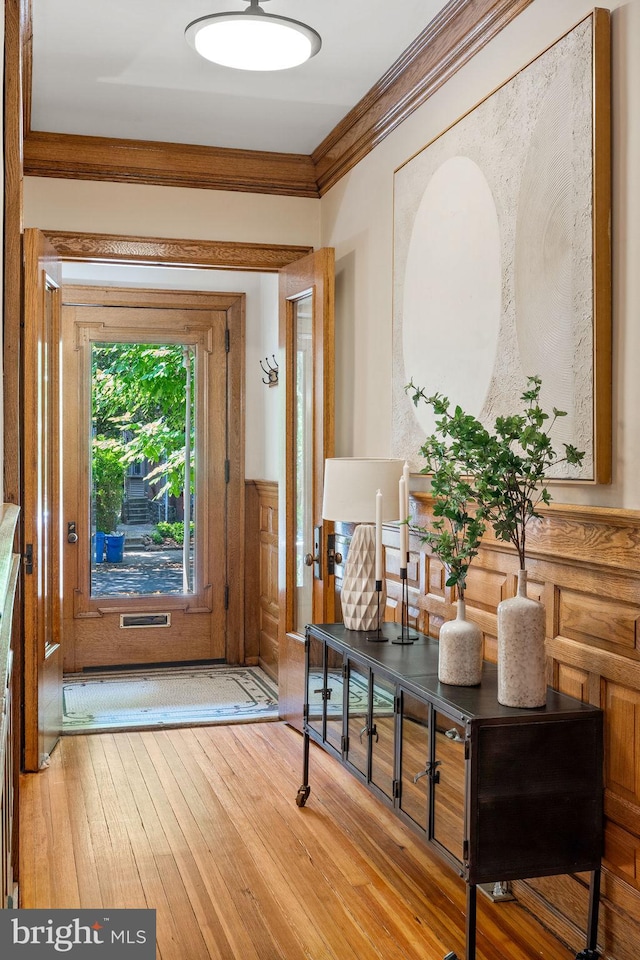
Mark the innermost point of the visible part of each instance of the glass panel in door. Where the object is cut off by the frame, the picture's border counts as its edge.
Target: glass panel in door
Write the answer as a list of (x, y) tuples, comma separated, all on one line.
[(335, 698), (382, 734), (142, 439), (448, 795), (358, 718), (303, 438), (414, 780), (316, 685)]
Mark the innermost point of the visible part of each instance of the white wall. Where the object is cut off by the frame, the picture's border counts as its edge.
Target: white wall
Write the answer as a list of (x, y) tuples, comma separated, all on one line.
[(357, 219), (134, 210), (175, 212), (1, 266)]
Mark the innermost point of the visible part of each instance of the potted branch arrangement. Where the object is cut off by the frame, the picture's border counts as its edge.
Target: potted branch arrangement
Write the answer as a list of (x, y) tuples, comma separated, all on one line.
[(456, 530), (507, 473), (511, 485)]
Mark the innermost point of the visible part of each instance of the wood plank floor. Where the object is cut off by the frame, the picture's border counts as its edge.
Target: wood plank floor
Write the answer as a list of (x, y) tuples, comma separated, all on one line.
[(202, 825)]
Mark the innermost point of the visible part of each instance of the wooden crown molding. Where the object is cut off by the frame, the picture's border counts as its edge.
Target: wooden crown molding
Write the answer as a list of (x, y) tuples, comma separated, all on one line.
[(109, 248), (459, 31), (74, 157)]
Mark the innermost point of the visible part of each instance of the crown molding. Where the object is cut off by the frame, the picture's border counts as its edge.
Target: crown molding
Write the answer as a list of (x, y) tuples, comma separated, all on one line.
[(74, 157), (461, 29), (454, 36)]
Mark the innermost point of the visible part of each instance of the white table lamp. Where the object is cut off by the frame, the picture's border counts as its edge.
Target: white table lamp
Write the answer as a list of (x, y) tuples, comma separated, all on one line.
[(362, 491)]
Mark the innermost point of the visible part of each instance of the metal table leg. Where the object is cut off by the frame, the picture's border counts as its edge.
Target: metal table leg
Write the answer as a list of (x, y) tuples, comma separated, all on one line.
[(305, 789), (591, 952), (470, 951)]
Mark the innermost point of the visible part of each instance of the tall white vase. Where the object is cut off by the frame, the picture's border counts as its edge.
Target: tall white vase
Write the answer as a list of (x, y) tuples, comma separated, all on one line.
[(521, 655), (460, 651)]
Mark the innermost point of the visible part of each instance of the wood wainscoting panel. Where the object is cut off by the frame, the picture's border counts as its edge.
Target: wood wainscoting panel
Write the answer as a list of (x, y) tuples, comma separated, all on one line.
[(572, 681), (251, 572), (584, 565), (594, 618), (622, 854), (486, 588), (268, 605), (622, 741)]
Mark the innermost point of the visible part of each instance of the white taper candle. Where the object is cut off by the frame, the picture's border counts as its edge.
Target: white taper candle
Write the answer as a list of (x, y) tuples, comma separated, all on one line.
[(379, 535), (406, 474), (404, 530)]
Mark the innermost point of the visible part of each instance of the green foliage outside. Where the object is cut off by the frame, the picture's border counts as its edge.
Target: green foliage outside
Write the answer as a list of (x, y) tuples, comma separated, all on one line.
[(108, 482), (170, 531), (481, 477), (139, 408)]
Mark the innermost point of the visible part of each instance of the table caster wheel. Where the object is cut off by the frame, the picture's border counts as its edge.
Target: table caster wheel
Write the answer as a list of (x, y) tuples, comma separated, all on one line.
[(588, 954), (301, 796)]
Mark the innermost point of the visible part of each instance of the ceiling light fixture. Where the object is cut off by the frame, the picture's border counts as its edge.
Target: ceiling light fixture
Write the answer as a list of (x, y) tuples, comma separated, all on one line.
[(253, 40)]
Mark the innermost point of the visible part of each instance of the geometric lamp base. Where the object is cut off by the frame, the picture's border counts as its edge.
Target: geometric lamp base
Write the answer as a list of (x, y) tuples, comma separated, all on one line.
[(362, 604)]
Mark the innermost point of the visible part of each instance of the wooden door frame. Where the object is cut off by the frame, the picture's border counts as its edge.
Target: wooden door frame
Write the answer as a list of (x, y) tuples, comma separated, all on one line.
[(204, 254), (41, 593), (231, 511), (99, 248), (311, 279)]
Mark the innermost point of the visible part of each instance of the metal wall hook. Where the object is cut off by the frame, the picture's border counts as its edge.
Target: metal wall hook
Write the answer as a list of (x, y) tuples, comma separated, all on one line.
[(271, 371)]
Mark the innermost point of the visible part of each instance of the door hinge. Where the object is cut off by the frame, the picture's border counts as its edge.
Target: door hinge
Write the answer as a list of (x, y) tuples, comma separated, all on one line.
[(467, 749), (344, 745), (227, 471), (395, 790), (28, 558), (226, 596), (465, 850), (227, 340)]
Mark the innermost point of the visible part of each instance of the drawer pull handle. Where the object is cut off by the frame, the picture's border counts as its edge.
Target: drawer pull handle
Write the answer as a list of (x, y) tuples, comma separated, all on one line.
[(430, 771)]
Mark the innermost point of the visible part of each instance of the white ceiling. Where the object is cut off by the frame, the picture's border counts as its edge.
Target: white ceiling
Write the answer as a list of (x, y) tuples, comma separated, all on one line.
[(122, 68)]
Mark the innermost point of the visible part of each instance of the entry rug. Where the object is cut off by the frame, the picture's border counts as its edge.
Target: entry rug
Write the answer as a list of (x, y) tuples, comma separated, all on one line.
[(166, 697)]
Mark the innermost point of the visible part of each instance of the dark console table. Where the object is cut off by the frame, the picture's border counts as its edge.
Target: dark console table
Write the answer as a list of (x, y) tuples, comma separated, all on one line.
[(500, 793)]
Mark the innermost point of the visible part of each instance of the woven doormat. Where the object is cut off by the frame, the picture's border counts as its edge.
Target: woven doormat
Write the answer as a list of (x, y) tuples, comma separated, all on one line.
[(166, 697)]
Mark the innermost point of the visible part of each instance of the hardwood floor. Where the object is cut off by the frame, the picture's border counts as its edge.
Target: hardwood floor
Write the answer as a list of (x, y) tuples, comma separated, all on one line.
[(201, 824)]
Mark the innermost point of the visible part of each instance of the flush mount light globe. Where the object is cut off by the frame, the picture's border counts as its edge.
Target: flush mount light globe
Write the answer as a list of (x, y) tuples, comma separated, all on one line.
[(253, 40)]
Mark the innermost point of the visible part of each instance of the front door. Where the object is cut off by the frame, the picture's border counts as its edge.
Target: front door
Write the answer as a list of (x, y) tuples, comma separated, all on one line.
[(41, 491), (152, 476), (307, 582)]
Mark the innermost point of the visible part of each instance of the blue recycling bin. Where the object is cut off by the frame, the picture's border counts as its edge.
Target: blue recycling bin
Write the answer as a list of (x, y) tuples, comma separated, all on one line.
[(115, 547), (99, 546)]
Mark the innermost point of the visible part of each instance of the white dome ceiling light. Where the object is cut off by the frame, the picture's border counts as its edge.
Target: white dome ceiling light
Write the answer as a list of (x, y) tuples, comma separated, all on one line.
[(253, 40)]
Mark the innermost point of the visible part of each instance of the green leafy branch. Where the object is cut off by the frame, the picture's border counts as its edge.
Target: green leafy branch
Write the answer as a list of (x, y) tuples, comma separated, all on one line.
[(511, 482), (451, 456), (502, 473)]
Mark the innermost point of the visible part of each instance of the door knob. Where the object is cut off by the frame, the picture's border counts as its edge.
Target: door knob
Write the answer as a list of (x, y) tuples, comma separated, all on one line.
[(309, 559), (72, 536)]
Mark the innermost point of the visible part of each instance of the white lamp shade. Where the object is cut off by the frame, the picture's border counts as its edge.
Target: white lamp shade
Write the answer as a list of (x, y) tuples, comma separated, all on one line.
[(351, 485)]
